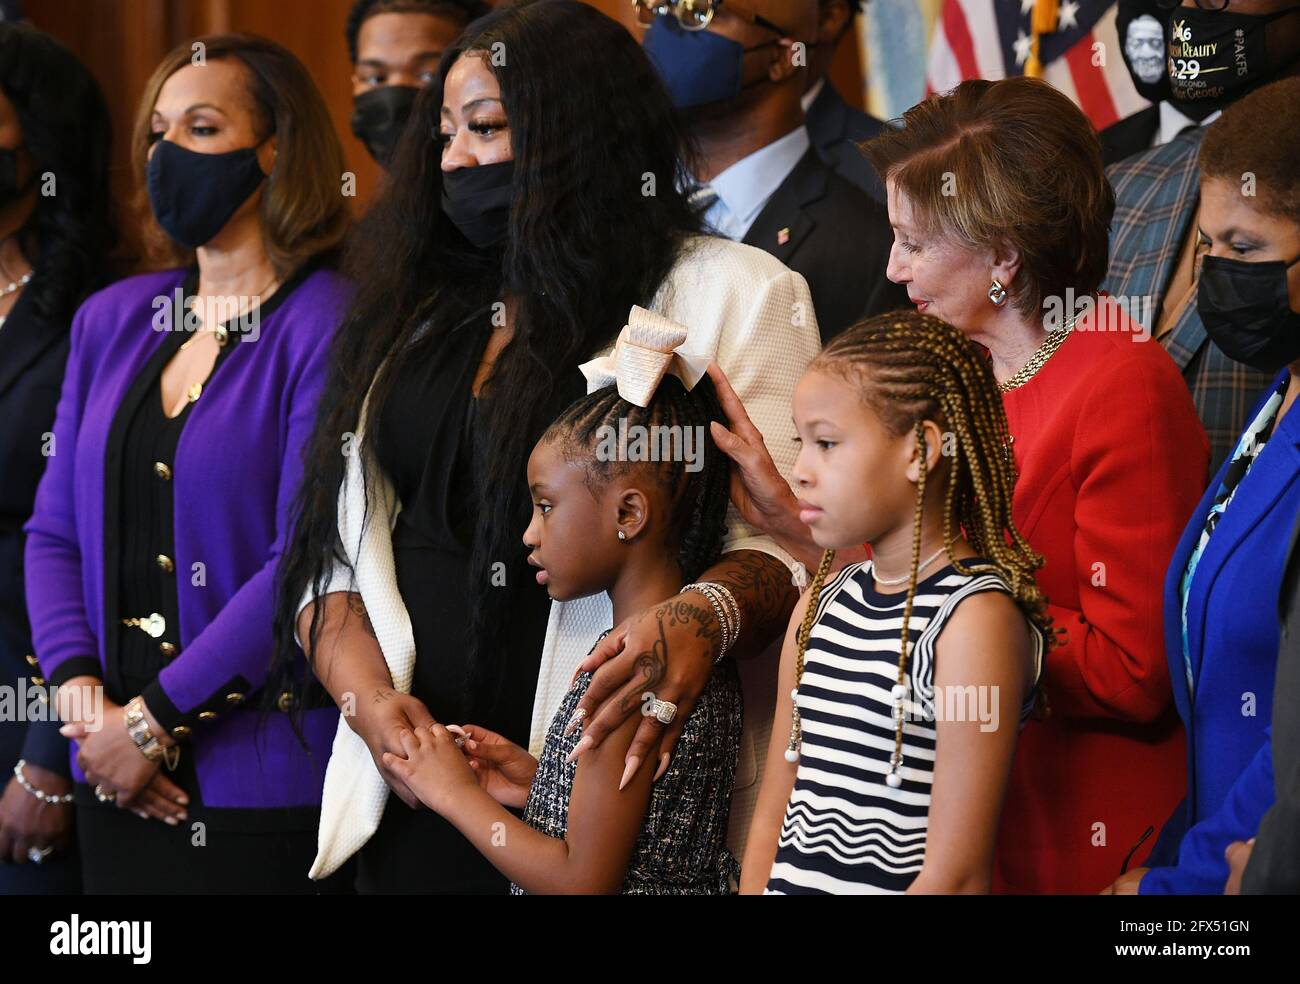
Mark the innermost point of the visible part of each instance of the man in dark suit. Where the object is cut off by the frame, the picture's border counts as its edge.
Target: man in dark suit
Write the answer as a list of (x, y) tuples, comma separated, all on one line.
[(835, 127), (759, 179)]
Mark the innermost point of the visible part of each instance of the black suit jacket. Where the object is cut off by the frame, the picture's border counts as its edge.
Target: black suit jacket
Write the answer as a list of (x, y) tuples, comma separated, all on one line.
[(33, 353), (837, 237), (1274, 866), (836, 128), (1129, 136)]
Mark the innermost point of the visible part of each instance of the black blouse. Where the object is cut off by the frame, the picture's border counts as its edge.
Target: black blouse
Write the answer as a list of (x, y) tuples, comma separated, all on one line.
[(429, 443), (139, 527)]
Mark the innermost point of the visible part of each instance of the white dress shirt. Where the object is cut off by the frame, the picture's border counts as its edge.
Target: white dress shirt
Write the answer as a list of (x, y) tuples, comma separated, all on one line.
[(810, 97), (745, 187), (1174, 121)]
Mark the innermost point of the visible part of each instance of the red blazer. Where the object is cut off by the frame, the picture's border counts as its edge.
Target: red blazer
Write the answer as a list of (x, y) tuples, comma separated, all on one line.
[(1112, 461)]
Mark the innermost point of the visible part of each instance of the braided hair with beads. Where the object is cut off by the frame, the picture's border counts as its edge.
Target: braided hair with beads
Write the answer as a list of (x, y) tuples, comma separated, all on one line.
[(912, 368), (697, 500)]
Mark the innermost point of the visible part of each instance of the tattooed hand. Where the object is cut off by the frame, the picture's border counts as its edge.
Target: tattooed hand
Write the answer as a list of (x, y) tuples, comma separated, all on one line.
[(381, 717), (669, 650)]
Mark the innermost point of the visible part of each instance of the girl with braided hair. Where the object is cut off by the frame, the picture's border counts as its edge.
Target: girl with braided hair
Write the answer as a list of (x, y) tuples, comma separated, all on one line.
[(904, 677), (637, 530), (1000, 208)]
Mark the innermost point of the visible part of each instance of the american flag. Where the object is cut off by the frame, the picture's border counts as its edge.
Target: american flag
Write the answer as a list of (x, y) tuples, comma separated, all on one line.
[(1070, 43)]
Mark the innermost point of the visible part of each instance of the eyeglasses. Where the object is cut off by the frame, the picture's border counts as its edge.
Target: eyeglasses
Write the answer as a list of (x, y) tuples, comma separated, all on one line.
[(695, 15), (1203, 4)]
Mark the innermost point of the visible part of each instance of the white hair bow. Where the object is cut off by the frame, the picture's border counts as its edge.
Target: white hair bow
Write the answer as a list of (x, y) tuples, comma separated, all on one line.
[(649, 347)]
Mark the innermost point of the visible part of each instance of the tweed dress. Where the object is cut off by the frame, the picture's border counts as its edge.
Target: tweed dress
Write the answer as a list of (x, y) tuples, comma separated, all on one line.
[(682, 846)]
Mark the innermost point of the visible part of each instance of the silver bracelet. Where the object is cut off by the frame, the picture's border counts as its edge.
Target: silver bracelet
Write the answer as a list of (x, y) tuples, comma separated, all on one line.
[(725, 608), (718, 613), (44, 797)]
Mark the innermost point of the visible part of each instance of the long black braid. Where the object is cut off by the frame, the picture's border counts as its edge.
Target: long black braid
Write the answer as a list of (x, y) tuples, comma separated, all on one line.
[(697, 499)]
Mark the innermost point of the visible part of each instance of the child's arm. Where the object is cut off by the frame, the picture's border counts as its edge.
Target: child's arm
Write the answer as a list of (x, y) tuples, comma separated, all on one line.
[(604, 821), (986, 647), (778, 774)]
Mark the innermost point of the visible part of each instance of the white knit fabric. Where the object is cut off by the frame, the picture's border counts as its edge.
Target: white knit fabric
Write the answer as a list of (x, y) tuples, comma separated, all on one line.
[(755, 317), (355, 793)]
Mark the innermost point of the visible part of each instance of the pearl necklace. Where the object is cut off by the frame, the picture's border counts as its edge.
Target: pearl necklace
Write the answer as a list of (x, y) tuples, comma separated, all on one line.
[(903, 580), (14, 287)]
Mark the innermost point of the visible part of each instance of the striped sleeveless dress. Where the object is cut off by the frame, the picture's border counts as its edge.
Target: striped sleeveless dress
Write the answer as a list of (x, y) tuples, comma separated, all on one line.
[(845, 830)]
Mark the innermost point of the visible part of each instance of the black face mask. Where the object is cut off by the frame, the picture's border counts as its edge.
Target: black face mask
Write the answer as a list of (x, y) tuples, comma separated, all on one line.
[(9, 186), (1246, 310), (378, 117), (1216, 57), (1143, 29), (477, 200), (194, 195)]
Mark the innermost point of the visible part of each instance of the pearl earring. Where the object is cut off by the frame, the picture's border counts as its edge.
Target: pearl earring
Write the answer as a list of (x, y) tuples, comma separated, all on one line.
[(622, 535)]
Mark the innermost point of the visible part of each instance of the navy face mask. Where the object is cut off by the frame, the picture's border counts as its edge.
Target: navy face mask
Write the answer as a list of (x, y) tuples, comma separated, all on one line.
[(697, 67), (1246, 310), (477, 200), (194, 195)]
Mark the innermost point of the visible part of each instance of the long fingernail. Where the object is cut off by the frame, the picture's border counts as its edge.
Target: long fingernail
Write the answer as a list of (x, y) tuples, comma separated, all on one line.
[(172, 821), (629, 770), (578, 749), (575, 721), (663, 765)]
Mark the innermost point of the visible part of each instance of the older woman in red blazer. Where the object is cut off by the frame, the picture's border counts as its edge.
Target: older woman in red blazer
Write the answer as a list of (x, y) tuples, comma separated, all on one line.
[(1000, 211)]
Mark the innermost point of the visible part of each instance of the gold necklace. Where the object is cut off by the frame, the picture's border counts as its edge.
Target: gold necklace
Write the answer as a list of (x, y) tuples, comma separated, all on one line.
[(220, 332), (1055, 339)]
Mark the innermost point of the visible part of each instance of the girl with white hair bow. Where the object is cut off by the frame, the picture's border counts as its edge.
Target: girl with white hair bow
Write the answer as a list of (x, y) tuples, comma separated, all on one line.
[(634, 520)]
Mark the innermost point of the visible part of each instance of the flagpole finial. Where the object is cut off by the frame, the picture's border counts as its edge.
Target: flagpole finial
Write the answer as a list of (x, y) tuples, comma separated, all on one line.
[(1042, 20)]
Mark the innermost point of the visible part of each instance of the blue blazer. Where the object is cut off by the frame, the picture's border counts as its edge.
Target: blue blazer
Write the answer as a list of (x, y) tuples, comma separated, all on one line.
[(1232, 632)]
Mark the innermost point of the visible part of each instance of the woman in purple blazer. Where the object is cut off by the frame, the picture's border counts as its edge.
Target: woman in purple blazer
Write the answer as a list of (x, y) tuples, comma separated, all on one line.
[(176, 453)]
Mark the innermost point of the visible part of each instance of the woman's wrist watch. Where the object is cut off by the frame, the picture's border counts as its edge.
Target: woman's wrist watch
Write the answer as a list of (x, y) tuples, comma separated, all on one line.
[(137, 726)]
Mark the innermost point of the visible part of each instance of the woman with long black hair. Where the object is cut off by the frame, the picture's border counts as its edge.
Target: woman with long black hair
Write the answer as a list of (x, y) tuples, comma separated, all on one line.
[(55, 236), (534, 198)]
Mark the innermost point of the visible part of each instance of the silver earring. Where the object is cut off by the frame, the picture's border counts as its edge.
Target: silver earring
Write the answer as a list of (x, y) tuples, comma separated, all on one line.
[(622, 535), (997, 293)]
